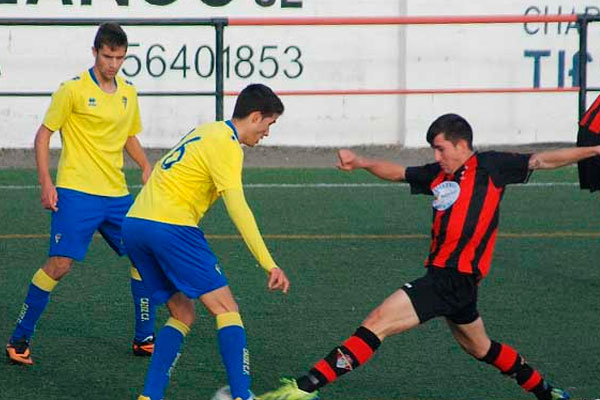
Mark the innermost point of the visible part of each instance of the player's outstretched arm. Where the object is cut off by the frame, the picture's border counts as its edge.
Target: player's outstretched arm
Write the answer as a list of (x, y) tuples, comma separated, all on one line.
[(49, 196), (561, 157), (349, 161), (136, 152), (242, 217)]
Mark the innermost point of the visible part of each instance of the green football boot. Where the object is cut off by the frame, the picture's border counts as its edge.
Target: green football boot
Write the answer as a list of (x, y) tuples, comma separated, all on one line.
[(559, 394), (289, 391)]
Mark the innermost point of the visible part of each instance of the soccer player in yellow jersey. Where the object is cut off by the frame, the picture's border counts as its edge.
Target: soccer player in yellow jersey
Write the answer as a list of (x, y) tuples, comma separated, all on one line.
[(163, 239), (98, 116)]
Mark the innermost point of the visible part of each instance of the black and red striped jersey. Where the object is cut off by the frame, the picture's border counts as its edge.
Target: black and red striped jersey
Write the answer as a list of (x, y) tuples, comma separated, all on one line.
[(466, 207), (589, 135)]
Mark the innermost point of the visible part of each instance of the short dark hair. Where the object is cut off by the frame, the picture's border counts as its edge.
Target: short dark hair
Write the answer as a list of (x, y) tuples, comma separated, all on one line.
[(454, 127), (110, 34), (257, 97)]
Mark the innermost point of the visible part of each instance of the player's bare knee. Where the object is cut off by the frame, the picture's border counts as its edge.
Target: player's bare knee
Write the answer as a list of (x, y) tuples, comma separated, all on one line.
[(57, 267), (189, 319), (182, 309), (379, 322), (374, 318), (185, 315), (223, 307), (220, 301), (477, 351), (467, 349), (231, 306), (473, 348)]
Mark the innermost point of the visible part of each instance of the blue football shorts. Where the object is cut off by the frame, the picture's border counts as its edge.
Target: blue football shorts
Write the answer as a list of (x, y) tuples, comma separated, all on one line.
[(172, 258), (79, 216)]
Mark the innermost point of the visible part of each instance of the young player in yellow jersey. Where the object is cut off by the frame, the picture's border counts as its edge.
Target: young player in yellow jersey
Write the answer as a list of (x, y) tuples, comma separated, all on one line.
[(163, 239), (98, 116)]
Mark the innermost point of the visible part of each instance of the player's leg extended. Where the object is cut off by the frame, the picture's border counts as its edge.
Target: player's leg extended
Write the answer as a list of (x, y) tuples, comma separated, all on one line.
[(168, 344), (38, 296), (232, 340), (474, 340), (395, 315), (144, 308)]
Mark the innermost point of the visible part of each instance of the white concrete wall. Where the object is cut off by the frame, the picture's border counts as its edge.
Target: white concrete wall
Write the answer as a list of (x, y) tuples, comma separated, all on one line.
[(384, 57), (484, 56), (38, 58)]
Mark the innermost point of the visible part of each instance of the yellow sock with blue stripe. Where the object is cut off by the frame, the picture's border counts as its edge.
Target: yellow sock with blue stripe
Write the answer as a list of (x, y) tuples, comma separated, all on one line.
[(232, 345), (166, 353), (35, 303), (143, 306)]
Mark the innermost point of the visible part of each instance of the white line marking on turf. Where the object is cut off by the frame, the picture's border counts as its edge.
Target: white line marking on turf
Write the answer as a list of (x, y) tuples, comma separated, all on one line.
[(19, 187), (317, 185)]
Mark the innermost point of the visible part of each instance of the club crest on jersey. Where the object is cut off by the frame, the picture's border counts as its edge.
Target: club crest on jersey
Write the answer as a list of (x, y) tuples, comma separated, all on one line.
[(445, 195), (92, 102), (124, 102)]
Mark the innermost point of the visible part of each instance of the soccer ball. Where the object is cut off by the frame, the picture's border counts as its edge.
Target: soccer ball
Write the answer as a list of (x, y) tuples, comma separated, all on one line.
[(222, 394), (225, 394)]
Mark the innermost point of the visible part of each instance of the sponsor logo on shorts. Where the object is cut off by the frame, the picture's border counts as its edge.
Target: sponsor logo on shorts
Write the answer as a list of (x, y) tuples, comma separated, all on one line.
[(408, 285), (218, 269), (57, 237)]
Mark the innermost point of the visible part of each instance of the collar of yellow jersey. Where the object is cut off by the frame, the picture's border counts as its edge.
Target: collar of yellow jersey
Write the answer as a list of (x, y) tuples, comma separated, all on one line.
[(230, 124)]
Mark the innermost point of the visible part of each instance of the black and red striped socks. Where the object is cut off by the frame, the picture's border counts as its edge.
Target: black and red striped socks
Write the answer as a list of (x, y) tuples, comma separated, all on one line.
[(510, 363), (354, 352), (361, 346)]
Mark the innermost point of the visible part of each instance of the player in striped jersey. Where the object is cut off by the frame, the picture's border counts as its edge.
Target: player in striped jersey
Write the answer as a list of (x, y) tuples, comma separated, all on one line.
[(467, 188)]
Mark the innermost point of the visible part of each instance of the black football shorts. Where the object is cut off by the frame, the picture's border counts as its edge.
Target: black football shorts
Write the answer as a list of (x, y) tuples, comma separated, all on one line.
[(444, 292)]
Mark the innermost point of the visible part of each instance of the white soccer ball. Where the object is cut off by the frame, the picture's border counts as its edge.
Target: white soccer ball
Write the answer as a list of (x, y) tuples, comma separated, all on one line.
[(222, 394), (225, 394)]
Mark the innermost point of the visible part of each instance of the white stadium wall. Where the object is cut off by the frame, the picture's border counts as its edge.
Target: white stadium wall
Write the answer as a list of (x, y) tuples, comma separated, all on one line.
[(311, 58), (498, 56)]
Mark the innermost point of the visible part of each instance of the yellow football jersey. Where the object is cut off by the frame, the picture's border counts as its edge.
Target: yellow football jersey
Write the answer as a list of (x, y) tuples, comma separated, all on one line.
[(188, 179), (94, 126)]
